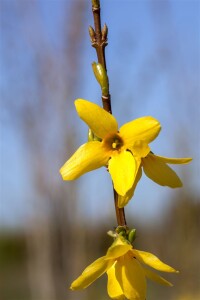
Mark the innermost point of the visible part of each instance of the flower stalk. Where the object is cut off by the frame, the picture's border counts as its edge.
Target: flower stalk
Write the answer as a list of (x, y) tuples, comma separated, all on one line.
[(98, 38)]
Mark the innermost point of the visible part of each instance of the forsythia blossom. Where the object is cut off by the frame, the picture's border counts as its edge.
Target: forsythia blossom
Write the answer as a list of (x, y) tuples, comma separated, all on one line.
[(125, 151), (127, 275)]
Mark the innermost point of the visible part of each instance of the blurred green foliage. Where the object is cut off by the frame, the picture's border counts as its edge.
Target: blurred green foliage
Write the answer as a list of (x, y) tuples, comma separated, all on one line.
[(175, 240), (13, 266)]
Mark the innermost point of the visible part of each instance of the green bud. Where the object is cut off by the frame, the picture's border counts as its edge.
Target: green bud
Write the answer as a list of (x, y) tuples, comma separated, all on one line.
[(132, 235), (101, 77)]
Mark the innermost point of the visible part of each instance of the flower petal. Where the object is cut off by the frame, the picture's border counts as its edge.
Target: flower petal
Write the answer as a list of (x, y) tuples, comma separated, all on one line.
[(155, 277), (100, 121), (91, 273), (123, 169), (152, 261), (113, 286), (118, 248), (140, 148), (131, 278), (174, 161), (143, 129), (123, 200), (88, 157), (160, 172)]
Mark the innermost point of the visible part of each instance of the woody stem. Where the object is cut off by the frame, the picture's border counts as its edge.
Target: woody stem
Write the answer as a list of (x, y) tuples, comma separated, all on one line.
[(98, 37)]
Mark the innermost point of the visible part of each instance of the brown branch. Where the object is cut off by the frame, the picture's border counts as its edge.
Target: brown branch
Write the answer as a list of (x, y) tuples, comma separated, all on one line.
[(99, 42), (120, 213)]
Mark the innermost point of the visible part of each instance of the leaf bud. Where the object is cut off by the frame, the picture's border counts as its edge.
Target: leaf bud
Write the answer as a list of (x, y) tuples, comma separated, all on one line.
[(104, 32), (92, 34)]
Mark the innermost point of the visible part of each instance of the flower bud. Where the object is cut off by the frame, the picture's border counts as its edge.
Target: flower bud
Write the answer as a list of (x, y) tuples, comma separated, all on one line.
[(132, 235), (92, 34), (101, 77)]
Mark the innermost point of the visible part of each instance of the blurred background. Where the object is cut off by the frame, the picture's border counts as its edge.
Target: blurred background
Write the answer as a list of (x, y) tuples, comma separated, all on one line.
[(50, 230)]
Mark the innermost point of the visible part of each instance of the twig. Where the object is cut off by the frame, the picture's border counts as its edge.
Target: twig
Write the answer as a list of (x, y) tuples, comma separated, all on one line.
[(120, 213), (99, 42)]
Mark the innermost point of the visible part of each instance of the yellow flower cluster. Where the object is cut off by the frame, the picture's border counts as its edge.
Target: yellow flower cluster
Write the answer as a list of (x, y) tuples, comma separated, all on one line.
[(126, 153)]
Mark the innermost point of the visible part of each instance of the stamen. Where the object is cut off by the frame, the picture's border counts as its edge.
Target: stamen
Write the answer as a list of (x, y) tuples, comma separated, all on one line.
[(114, 145)]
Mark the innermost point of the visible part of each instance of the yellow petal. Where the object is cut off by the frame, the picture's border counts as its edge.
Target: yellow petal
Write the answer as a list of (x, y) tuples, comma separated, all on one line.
[(113, 286), (118, 248), (140, 148), (91, 273), (100, 121), (88, 157), (160, 172), (123, 169), (131, 278), (173, 160), (143, 129), (155, 277), (152, 261), (123, 200)]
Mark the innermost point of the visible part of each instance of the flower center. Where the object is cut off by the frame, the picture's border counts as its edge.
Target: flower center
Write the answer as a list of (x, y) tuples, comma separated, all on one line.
[(113, 141), (116, 144)]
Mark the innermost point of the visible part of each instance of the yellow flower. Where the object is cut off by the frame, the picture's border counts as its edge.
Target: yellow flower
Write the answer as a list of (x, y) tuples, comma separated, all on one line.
[(125, 151), (125, 270)]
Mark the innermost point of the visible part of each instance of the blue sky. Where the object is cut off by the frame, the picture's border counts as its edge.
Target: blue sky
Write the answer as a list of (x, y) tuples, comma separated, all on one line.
[(153, 61)]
